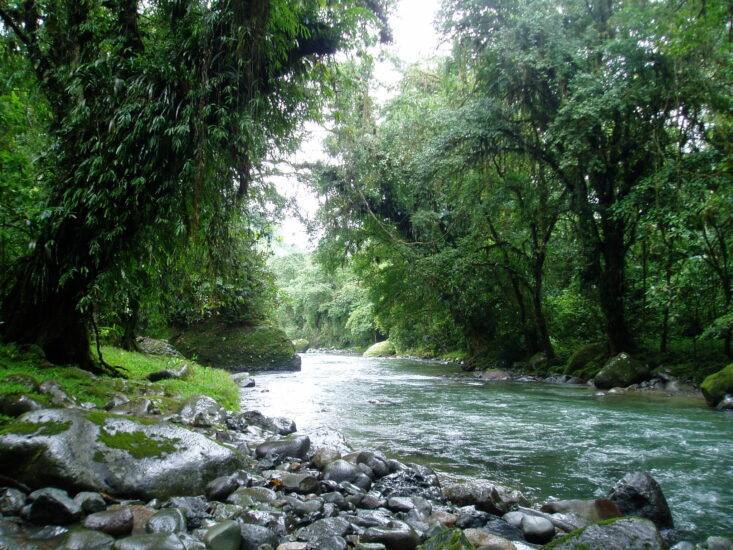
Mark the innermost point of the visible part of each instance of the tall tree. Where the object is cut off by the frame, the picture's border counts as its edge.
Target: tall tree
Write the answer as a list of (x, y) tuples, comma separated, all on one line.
[(160, 112)]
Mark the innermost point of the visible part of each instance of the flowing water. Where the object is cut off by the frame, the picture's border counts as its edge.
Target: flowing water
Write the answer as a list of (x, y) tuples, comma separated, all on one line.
[(547, 440)]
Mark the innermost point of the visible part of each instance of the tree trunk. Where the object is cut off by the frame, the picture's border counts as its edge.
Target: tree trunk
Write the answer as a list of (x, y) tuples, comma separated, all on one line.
[(129, 320), (612, 287)]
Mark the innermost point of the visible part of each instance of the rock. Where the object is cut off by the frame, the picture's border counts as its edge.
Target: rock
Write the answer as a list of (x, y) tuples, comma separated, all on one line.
[(591, 510), (150, 542), (638, 494), (375, 461), (441, 517), (52, 506), (243, 380), (26, 381), (719, 543), (303, 483), (588, 360), (483, 539), (11, 501), (154, 346), (223, 536), (400, 504), (168, 520), (340, 471), (202, 411), (116, 522), (256, 494), (301, 345), (84, 450), (381, 349), (717, 385), (167, 374), (90, 502), (397, 535), (254, 536), (486, 496), (84, 539), (615, 534), (59, 397), (726, 404), (279, 425), (136, 407), (501, 528), (495, 375), (15, 404), (293, 546), (536, 529), (291, 446), (324, 457), (223, 486), (621, 370), (196, 509), (442, 539), (324, 528), (369, 546), (238, 347)]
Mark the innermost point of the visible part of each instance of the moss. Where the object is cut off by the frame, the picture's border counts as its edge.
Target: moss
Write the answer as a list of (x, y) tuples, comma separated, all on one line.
[(715, 386), (137, 443), (301, 345), (36, 428), (100, 418), (99, 456), (381, 349), (447, 539), (588, 360), (579, 546)]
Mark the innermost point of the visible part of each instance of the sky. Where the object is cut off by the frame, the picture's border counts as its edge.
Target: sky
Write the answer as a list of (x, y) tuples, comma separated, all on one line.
[(414, 39)]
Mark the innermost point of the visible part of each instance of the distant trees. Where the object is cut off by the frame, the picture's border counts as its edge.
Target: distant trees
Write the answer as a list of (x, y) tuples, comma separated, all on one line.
[(567, 155)]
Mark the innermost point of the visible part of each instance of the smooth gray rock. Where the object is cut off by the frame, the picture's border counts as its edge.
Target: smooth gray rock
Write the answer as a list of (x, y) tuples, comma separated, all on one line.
[(324, 456), (223, 486), (484, 495), (291, 446), (84, 539), (223, 536), (167, 374), (340, 471), (299, 483), (195, 509), (167, 520), (537, 530), (719, 543), (620, 534), (396, 536), (81, 450), (155, 541), (638, 494), (117, 522), (243, 380), (11, 501), (202, 411), (58, 396), (324, 528), (332, 543), (256, 494), (52, 506), (15, 404), (90, 502), (254, 536)]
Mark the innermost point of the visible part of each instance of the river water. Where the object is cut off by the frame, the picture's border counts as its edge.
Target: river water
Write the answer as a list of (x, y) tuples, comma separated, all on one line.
[(546, 440)]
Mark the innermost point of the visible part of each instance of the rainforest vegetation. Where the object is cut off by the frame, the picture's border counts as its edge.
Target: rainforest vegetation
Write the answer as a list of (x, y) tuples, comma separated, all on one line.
[(563, 176)]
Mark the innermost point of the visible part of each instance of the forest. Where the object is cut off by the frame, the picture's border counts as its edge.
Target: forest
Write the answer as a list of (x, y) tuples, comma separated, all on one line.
[(561, 177)]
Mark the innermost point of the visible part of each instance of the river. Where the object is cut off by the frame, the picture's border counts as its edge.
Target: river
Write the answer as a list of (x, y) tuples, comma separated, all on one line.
[(546, 440)]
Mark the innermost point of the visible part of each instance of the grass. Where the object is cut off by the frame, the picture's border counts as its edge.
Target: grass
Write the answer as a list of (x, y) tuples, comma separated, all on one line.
[(166, 394)]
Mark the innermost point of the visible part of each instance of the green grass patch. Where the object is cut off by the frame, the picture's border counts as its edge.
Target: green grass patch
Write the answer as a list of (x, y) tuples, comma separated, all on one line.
[(28, 428), (81, 385)]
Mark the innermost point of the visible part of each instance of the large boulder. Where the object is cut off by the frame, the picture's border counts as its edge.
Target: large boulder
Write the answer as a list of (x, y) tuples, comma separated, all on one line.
[(588, 360), (638, 494), (238, 347), (717, 385), (381, 349), (83, 450), (613, 534), (621, 371)]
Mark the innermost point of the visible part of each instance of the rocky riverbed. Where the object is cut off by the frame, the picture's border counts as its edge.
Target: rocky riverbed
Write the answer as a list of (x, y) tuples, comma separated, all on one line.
[(207, 478)]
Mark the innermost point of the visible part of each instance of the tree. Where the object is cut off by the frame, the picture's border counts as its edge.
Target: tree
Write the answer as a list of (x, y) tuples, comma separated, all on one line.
[(160, 111)]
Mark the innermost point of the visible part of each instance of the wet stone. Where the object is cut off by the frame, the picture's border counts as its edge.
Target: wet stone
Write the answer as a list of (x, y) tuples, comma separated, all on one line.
[(115, 521), (8, 527), (90, 502), (11, 501), (168, 520), (221, 487), (155, 541), (17, 404), (324, 528), (324, 457), (223, 511), (85, 539), (396, 536), (300, 483), (223, 536), (194, 508), (52, 506), (254, 536), (255, 494), (537, 530), (294, 446)]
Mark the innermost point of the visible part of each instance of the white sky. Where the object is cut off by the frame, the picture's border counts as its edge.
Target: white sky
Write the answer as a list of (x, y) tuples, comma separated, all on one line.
[(414, 39)]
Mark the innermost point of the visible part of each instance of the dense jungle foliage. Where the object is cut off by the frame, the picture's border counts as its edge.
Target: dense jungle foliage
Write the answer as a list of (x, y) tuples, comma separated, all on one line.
[(562, 177)]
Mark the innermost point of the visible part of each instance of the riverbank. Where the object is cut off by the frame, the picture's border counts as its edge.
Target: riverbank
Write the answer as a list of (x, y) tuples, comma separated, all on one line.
[(278, 489)]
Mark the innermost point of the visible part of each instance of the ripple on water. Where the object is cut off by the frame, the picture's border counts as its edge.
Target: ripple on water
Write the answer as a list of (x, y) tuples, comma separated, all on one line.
[(548, 440)]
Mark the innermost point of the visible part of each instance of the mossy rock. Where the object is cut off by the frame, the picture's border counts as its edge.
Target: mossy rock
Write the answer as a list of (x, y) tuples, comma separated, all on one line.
[(626, 533), (237, 347), (301, 345), (442, 538), (621, 371), (588, 360), (381, 349), (715, 386)]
